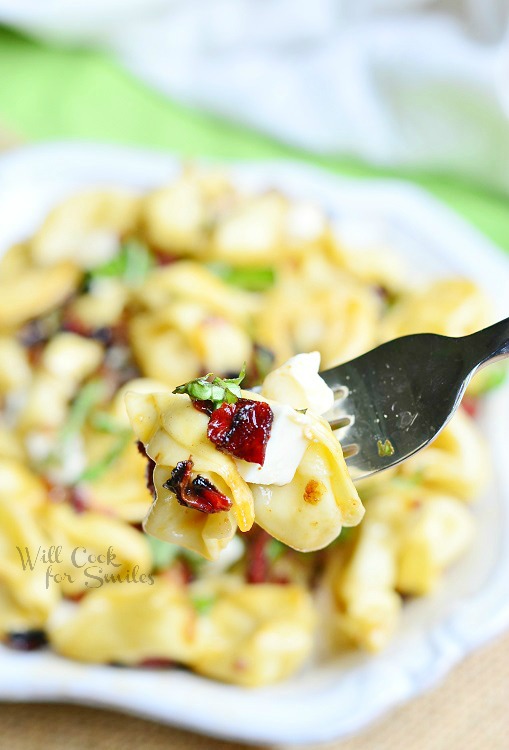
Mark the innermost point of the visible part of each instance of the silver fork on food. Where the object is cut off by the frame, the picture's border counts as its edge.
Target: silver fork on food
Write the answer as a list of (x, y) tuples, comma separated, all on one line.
[(393, 401)]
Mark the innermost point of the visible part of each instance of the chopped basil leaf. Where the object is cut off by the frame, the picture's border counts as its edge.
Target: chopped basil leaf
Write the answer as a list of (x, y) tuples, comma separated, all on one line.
[(104, 422), (131, 264), (251, 279), (100, 467), (163, 553), (346, 534), (195, 561), (409, 481), (211, 388), (275, 549), (263, 362), (87, 397), (488, 379), (203, 604), (385, 449), (84, 402)]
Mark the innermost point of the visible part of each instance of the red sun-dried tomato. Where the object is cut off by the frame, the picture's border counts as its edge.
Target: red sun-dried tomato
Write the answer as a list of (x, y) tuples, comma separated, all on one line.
[(157, 663), (242, 429), (26, 640), (207, 407), (258, 566), (198, 493), (259, 561), (471, 406)]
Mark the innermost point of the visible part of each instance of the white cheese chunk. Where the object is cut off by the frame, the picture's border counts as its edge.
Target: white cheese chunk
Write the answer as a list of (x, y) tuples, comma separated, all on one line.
[(285, 448), (298, 384)]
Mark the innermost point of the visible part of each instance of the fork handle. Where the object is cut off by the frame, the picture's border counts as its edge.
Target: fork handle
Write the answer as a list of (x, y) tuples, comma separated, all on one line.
[(488, 345)]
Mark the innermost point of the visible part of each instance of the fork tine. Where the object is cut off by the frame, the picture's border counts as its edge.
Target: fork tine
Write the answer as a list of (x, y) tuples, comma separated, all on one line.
[(350, 450), (339, 422)]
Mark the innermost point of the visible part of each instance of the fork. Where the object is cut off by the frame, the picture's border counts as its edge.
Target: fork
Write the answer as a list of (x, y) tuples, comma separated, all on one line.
[(394, 400)]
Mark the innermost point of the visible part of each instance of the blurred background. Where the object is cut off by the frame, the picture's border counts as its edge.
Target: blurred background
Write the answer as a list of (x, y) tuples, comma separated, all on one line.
[(414, 89), (418, 88)]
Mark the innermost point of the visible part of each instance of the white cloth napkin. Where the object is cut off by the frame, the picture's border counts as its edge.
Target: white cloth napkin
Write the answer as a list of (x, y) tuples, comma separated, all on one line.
[(407, 83)]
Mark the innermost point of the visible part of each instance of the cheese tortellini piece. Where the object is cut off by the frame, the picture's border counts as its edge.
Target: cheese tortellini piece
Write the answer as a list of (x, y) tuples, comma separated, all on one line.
[(28, 290), (86, 228), (301, 493), (317, 306), (172, 430), (65, 362), (179, 218), (25, 600), (127, 624), (450, 307), (409, 537), (456, 462), (309, 512), (254, 635), (15, 372), (192, 321), (80, 535), (246, 635)]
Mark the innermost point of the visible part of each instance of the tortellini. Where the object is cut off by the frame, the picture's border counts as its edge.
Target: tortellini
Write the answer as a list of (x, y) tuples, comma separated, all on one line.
[(25, 600), (15, 372), (408, 538), (254, 635), (127, 624), (451, 307), (178, 219), (249, 636), (309, 512), (18, 484), (172, 430), (80, 535), (253, 233), (193, 321), (160, 349), (456, 461), (303, 495), (122, 489), (28, 290), (65, 361), (86, 228), (317, 306), (189, 281)]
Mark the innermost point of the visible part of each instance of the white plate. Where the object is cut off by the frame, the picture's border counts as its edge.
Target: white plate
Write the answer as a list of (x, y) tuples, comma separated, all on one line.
[(328, 700)]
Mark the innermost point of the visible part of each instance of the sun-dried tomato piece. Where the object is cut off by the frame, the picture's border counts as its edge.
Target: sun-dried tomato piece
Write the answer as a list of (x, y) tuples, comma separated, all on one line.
[(257, 570), (242, 429), (260, 558), (149, 471), (157, 663), (471, 406), (198, 493), (207, 407), (79, 500), (26, 640)]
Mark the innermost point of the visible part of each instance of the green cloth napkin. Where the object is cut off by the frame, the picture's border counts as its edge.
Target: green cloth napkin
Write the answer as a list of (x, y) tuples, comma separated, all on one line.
[(50, 93)]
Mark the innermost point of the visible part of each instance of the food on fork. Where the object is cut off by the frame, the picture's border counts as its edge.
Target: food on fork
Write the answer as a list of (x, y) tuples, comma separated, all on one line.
[(224, 458)]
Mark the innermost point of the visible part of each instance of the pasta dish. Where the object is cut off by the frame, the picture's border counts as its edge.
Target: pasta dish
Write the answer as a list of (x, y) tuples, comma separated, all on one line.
[(251, 553)]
